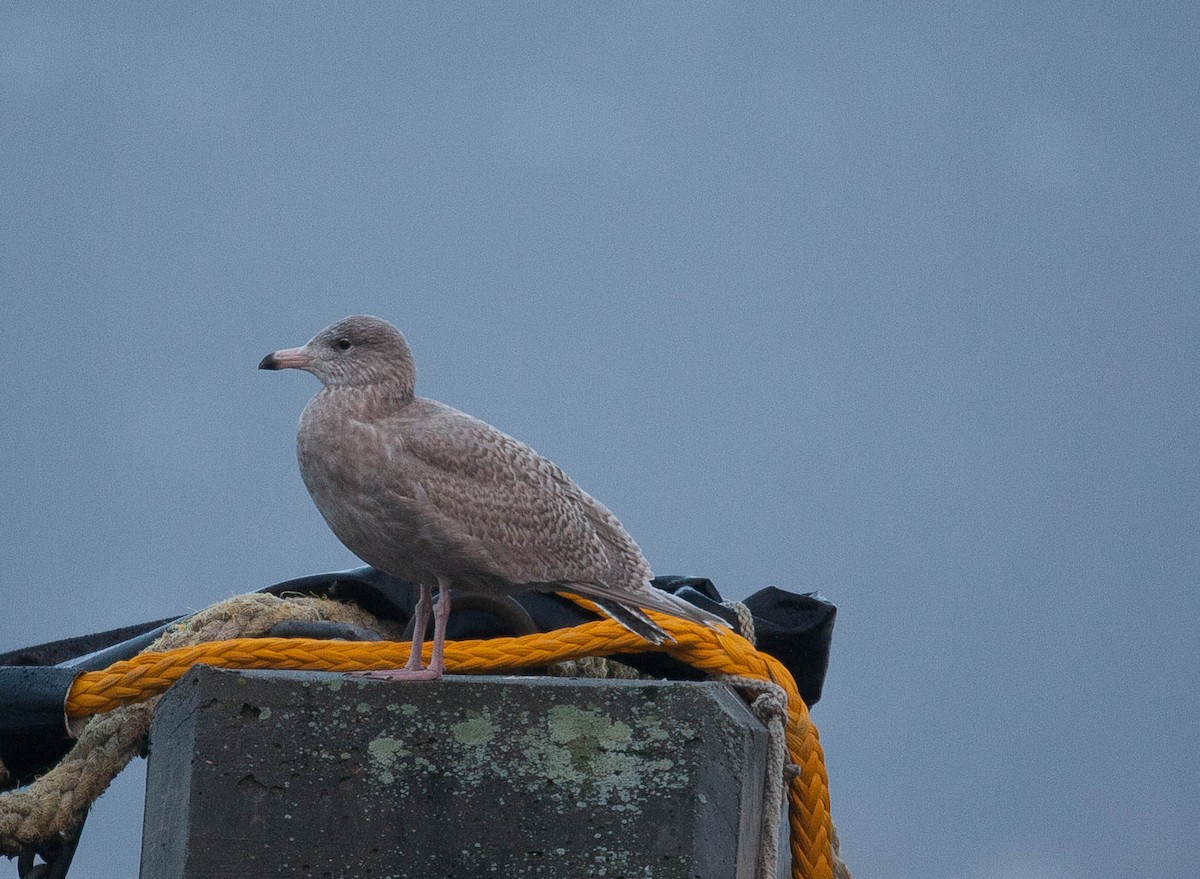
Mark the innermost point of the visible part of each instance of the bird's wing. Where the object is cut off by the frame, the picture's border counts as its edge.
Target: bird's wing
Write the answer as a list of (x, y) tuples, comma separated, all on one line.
[(493, 500), (622, 551)]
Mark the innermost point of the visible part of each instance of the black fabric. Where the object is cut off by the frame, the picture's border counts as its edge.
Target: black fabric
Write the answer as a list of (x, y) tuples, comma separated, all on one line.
[(54, 652), (33, 725), (34, 681), (797, 629)]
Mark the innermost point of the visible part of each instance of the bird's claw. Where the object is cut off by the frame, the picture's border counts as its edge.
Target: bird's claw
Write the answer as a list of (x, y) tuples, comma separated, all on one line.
[(402, 674)]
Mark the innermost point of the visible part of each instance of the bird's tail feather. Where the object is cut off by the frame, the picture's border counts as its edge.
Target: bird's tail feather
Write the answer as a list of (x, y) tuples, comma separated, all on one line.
[(658, 599), (625, 607), (635, 621)]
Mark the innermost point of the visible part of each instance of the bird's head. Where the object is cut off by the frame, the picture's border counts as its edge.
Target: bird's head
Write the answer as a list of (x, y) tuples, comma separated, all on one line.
[(356, 351)]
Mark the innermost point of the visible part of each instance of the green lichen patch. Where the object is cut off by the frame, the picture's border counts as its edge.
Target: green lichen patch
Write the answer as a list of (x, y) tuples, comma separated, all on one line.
[(477, 730), (385, 749)]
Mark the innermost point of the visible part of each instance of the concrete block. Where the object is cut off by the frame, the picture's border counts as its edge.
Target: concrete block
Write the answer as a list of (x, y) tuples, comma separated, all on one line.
[(260, 773)]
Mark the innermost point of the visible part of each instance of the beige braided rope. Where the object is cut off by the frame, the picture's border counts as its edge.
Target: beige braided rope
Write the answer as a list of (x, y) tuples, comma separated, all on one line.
[(745, 620), (769, 704), (57, 802)]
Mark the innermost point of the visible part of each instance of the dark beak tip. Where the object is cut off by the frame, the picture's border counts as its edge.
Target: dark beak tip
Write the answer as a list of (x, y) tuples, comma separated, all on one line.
[(269, 362)]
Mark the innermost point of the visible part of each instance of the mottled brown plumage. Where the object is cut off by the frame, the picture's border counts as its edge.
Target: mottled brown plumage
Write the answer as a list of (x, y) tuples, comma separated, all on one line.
[(436, 497)]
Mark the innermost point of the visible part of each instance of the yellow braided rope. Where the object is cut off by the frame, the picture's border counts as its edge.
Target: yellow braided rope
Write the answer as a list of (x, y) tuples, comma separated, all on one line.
[(718, 652)]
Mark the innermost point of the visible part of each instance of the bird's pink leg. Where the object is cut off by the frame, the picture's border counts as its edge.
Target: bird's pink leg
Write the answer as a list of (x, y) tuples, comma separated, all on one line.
[(412, 670), (441, 615), (420, 622)]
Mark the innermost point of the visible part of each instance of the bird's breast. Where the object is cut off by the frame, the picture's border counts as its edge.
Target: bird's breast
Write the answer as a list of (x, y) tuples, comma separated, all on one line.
[(358, 483)]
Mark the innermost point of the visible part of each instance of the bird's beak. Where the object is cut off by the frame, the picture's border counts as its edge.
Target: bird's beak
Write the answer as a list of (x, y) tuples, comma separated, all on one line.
[(288, 358)]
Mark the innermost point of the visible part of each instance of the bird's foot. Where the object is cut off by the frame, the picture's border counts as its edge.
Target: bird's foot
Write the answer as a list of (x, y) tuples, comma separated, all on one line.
[(434, 672)]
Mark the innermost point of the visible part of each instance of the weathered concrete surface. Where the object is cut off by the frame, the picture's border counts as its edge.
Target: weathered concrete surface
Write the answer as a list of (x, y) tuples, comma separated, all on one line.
[(320, 775)]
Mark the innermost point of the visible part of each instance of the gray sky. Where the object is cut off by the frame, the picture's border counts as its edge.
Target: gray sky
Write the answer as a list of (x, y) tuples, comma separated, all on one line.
[(898, 306)]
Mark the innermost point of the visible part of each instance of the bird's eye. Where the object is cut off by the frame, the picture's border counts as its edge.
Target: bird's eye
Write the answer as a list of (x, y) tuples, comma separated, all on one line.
[(344, 344)]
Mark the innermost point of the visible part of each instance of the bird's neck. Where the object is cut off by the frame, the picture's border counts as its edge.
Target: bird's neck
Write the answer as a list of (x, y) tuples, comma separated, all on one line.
[(365, 400)]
